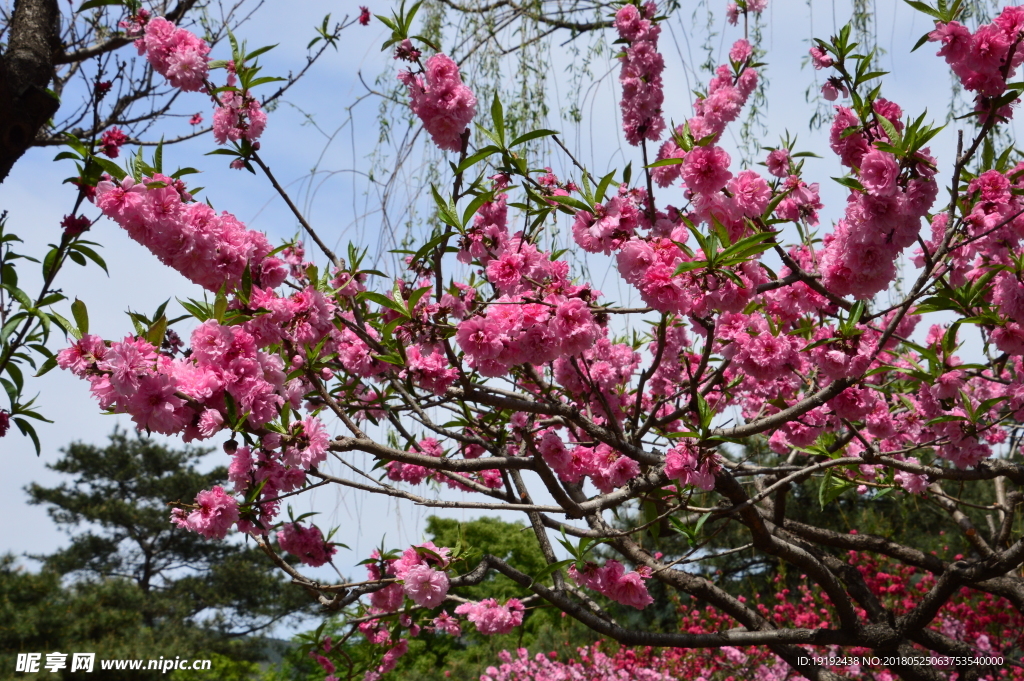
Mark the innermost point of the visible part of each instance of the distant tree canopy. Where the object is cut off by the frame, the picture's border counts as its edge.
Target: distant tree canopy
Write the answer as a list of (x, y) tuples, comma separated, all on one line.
[(130, 585)]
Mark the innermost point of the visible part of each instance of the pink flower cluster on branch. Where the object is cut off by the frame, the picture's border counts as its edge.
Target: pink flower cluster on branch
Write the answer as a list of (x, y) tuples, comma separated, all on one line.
[(612, 580), (728, 91), (640, 77), (306, 543), (208, 248), (441, 101), (986, 60), (175, 53), (884, 218)]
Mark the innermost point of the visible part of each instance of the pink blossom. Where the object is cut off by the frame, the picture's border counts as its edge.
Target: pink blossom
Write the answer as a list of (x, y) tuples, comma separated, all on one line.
[(175, 53), (239, 116), (442, 102), (492, 618), (426, 586), (306, 543), (706, 169), (879, 172), (573, 325), (740, 51), (683, 463), (308, 446), (820, 58), (216, 514), (447, 624), (430, 371), (84, 354), (111, 142), (750, 192), (605, 231), (640, 77), (778, 162)]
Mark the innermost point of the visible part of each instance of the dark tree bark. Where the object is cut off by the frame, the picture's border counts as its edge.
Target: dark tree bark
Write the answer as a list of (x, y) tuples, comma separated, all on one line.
[(26, 69)]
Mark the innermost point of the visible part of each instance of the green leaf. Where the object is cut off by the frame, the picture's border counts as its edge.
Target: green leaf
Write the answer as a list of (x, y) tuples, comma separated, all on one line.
[(831, 488), (445, 209), (498, 118), (93, 4), (476, 158), (246, 291), (18, 295), (91, 254), (65, 325), (157, 332), (850, 183), (666, 162), (383, 300), (700, 523), (569, 201), (48, 365), (531, 136), (257, 52), (158, 157), (81, 315), (602, 187), (921, 7), (220, 305), (26, 429), (894, 136), (265, 79), (551, 568)]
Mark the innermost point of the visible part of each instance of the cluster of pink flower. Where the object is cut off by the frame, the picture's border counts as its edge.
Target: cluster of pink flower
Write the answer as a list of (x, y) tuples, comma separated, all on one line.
[(987, 623), (194, 395), (593, 665), (491, 617), (611, 224), (859, 258), (111, 142), (642, 94), (744, 7), (516, 332), (612, 580), (728, 91), (306, 543), (602, 374), (208, 249), (175, 53), (239, 116), (650, 264), (987, 59), (216, 512), (488, 235), (167, 395), (264, 471), (442, 102), (607, 468), (420, 574), (995, 228), (415, 474), (181, 57), (689, 466), (421, 571), (388, 661)]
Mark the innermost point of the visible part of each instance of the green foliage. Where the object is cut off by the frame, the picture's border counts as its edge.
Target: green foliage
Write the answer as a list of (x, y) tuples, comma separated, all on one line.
[(130, 585), (463, 658)]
